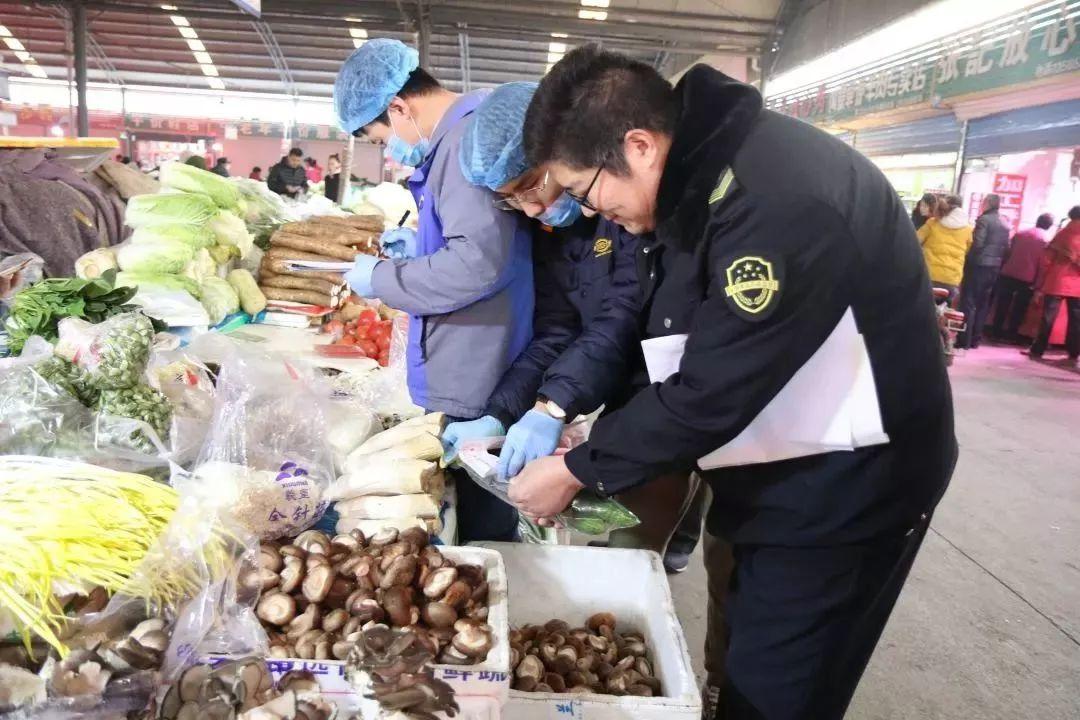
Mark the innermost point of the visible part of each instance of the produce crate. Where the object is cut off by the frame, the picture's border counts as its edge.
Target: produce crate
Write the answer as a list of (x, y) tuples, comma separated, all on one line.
[(571, 583), (477, 687)]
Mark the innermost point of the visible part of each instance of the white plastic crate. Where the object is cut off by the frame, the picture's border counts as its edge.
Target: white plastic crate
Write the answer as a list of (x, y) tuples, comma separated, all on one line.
[(570, 583)]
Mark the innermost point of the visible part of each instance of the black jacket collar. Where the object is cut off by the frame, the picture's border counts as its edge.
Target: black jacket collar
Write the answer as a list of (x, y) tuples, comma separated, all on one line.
[(715, 116)]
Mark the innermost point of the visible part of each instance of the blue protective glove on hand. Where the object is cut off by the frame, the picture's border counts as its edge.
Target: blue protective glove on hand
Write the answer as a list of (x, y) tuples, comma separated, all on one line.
[(457, 433), (399, 243), (534, 436), (359, 278)]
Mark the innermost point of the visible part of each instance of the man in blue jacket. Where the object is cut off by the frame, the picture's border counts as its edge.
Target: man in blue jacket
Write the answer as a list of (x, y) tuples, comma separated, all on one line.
[(584, 352), (465, 278)]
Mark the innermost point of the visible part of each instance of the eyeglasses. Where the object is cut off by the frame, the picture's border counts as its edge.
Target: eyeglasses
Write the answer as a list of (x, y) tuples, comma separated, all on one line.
[(514, 201), (583, 199)]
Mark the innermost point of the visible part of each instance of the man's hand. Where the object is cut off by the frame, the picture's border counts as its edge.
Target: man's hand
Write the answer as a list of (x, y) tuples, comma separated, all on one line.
[(544, 488)]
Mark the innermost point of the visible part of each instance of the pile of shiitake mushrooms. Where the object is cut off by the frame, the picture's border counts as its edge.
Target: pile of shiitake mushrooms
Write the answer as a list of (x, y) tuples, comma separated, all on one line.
[(556, 658), (319, 593), (244, 690)]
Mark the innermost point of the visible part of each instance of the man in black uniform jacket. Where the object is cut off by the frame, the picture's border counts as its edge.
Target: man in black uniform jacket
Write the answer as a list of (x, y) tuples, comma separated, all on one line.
[(767, 232)]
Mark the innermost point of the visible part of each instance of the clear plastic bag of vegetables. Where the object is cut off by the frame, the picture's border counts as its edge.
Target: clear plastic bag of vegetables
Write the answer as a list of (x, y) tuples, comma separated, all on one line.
[(588, 513), (267, 456)]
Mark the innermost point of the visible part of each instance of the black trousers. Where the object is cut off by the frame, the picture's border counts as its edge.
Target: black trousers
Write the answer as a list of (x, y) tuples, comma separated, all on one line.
[(1051, 305), (480, 514), (975, 303), (1013, 298), (804, 621)]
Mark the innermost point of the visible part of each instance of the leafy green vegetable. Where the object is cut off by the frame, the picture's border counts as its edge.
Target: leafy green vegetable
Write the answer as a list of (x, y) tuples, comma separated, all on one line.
[(230, 230), (197, 236), (178, 176), (163, 256), (219, 299), (169, 208), (165, 281), (38, 309)]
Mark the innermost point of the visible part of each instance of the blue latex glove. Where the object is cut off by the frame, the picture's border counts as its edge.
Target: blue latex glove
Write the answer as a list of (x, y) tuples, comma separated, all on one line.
[(534, 436), (458, 432), (359, 278), (399, 243)]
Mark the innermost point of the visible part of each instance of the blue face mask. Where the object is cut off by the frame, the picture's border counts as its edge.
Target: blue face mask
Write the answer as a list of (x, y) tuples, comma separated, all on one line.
[(404, 153), (561, 213)]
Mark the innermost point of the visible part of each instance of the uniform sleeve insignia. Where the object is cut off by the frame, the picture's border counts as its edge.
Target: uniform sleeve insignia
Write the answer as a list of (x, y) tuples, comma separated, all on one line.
[(601, 247), (722, 187), (753, 287)]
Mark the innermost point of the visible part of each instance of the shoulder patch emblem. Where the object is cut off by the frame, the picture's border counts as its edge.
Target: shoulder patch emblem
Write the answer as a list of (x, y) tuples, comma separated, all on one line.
[(753, 284), (601, 247), (722, 187)]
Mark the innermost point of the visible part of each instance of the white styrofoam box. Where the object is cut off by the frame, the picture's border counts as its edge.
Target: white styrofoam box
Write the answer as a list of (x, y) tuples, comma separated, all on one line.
[(474, 685), (546, 582)]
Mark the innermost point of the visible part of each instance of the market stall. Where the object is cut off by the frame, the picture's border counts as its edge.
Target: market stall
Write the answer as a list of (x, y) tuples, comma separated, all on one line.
[(221, 503)]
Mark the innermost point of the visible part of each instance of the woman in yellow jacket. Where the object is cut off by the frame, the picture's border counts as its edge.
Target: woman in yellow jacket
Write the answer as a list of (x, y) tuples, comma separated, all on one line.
[(946, 239)]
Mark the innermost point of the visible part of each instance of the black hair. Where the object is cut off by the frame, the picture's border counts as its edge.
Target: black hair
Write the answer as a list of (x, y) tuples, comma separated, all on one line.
[(256, 169), (296, 152), (992, 202), (588, 102), (1044, 221), (309, 161), (222, 161), (333, 156), (420, 82), (1074, 212)]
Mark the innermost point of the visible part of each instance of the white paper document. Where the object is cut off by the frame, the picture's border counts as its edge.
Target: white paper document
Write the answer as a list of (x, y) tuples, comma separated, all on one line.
[(324, 265), (830, 403)]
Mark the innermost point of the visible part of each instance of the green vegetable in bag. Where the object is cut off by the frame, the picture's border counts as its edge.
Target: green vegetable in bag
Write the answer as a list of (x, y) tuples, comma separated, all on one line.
[(591, 514), (69, 377), (114, 354), (140, 402)]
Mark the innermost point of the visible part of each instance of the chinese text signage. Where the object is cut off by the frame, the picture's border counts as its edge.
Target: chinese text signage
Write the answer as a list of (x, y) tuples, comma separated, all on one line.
[(1035, 49)]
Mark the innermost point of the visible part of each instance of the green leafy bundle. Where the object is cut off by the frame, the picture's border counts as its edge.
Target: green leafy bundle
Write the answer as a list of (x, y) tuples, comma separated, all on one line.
[(38, 309)]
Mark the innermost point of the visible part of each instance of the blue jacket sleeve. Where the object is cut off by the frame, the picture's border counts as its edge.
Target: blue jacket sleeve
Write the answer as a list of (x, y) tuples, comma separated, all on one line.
[(555, 325), (597, 364)]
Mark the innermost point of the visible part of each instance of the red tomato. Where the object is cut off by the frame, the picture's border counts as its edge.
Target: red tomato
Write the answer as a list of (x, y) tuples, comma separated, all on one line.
[(362, 330), (369, 315), (369, 348), (347, 340), (384, 358), (381, 335)]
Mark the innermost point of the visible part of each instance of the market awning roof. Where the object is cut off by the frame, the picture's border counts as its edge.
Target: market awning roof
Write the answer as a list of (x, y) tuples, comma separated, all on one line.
[(297, 47)]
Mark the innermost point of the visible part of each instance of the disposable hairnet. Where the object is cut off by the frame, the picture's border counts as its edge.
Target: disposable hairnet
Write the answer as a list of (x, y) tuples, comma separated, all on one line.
[(492, 151), (369, 80)]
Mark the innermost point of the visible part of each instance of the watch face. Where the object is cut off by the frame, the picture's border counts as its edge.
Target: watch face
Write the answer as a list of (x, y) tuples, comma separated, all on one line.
[(555, 411)]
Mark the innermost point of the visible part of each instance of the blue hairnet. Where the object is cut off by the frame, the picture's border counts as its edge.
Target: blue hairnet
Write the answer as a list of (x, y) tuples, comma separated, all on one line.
[(369, 80), (492, 151)]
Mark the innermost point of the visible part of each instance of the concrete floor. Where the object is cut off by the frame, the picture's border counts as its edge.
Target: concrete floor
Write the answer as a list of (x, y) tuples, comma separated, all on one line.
[(988, 625)]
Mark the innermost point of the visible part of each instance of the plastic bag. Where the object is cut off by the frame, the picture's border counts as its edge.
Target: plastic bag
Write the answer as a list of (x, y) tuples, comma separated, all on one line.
[(384, 390), (351, 423), (267, 458), (588, 513), (113, 353)]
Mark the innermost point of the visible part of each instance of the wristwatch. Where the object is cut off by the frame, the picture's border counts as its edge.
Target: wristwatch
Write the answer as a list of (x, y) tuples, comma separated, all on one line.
[(552, 408)]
